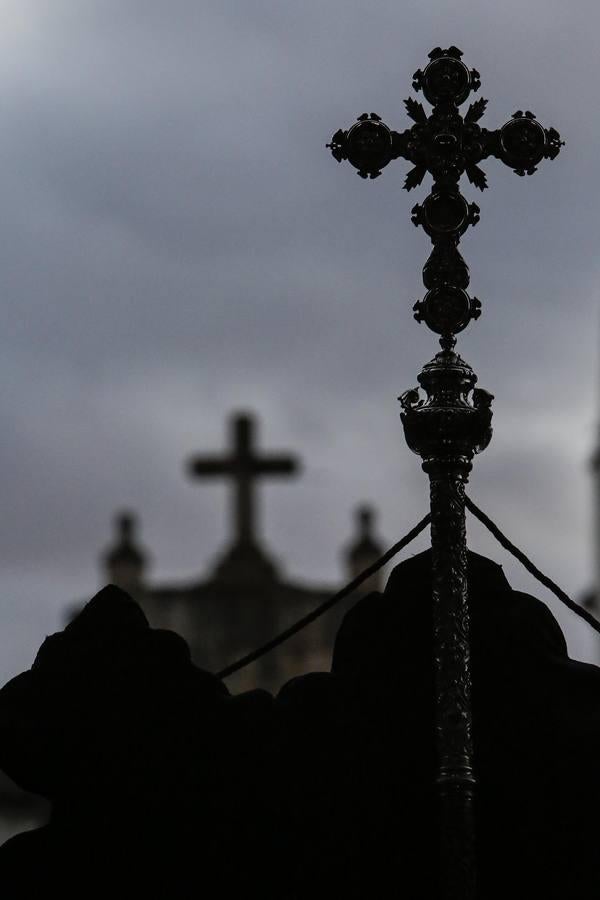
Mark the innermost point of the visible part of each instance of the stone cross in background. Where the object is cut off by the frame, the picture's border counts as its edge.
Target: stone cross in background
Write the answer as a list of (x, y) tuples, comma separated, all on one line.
[(243, 466)]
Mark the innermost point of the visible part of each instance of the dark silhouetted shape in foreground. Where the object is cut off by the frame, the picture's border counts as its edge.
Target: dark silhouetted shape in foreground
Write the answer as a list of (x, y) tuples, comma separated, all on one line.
[(163, 785)]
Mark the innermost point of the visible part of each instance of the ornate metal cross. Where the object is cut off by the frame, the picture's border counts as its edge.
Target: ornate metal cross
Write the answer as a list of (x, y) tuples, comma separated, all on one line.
[(453, 421), (447, 145)]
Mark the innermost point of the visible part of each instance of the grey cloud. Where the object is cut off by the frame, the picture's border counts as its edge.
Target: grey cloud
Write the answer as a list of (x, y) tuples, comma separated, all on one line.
[(176, 242)]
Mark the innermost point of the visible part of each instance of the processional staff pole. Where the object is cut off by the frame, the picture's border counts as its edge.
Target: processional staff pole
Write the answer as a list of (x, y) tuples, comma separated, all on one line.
[(452, 422)]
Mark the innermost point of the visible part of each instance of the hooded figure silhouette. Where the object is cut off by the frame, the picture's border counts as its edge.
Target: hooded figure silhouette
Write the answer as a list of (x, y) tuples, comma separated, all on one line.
[(139, 752), (536, 728)]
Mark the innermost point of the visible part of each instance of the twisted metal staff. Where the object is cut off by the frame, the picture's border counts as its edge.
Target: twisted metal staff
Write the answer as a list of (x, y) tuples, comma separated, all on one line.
[(452, 422)]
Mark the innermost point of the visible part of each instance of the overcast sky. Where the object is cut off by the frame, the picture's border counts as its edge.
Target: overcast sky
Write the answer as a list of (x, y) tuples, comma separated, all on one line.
[(176, 243)]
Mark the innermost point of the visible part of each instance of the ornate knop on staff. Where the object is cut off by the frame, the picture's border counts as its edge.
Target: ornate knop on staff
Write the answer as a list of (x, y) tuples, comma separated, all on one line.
[(452, 422)]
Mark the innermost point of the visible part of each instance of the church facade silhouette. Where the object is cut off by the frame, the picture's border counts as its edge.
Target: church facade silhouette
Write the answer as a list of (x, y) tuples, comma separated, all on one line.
[(244, 599)]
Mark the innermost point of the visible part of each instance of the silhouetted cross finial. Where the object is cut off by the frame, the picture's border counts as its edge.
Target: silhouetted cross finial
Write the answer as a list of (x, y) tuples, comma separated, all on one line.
[(452, 422), (243, 466), (447, 145)]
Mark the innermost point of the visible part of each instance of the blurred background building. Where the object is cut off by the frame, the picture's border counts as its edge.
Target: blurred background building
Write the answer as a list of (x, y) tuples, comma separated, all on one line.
[(245, 598)]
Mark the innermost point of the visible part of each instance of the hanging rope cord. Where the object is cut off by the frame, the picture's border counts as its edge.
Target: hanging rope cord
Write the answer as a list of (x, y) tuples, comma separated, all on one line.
[(389, 554), (328, 604), (527, 564)]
